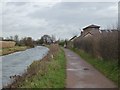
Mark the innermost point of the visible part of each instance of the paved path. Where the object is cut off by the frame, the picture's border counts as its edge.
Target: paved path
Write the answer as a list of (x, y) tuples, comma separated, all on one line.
[(80, 74)]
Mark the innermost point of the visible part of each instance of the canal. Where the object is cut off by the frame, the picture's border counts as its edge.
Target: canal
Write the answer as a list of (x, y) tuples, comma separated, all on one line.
[(17, 63)]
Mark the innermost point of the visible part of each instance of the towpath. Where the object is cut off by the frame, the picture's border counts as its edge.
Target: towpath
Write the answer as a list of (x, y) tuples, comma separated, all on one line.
[(81, 74)]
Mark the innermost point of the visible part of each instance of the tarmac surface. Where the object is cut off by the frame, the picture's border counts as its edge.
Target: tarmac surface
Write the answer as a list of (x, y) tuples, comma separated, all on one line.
[(81, 74)]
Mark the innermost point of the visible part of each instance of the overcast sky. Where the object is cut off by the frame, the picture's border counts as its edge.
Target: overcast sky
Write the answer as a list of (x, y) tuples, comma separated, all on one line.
[(62, 19)]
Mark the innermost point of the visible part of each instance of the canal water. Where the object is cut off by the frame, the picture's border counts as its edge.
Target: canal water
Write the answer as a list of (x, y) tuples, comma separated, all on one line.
[(17, 63)]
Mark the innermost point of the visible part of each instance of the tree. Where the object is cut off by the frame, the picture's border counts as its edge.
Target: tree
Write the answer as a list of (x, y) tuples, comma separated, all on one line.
[(61, 42), (11, 37), (46, 39), (1, 38), (16, 39), (29, 42), (40, 41), (22, 41)]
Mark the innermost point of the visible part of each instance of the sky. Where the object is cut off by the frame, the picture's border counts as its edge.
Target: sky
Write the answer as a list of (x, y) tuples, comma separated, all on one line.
[(61, 19)]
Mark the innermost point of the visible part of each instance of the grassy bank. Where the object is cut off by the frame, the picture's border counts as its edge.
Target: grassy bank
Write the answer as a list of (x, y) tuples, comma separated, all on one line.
[(6, 51), (46, 73), (108, 67)]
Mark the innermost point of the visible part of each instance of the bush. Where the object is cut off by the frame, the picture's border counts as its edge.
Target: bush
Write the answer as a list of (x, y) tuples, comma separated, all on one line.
[(108, 46), (62, 42), (85, 44), (104, 45)]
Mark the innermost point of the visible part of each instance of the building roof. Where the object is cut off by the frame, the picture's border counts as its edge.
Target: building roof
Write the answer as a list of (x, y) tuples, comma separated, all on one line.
[(87, 33), (91, 26), (73, 38)]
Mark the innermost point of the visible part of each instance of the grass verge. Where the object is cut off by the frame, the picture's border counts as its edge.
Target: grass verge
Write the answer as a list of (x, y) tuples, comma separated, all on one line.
[(46, 73), (6, 51), (108, 67)]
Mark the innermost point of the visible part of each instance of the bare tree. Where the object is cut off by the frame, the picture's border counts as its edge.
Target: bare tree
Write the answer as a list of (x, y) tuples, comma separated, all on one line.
[(11, 37), (16, 39)]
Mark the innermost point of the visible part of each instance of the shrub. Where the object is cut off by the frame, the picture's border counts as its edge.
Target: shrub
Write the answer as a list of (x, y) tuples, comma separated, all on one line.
[(104, 45), (108, 46)]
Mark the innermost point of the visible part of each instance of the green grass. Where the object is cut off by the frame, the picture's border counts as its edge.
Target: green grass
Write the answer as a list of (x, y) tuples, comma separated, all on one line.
[(6, 51), (52, 76), (108, 67)]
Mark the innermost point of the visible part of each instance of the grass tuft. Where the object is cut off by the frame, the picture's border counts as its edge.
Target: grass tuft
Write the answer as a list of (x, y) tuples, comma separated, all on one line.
[(54, 77)]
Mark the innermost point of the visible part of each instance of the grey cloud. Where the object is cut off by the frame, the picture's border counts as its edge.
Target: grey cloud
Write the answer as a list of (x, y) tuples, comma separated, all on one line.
[(64, 19), (71, 12), (80, 5), (17, 3)]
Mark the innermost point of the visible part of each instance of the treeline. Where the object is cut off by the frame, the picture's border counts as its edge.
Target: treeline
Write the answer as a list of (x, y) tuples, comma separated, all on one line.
[(29, 41), (104, 45), (26, 41)]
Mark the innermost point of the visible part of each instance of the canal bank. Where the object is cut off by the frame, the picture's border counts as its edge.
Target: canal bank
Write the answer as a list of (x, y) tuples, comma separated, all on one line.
[(46, 73), (15, 64), (6, 51)]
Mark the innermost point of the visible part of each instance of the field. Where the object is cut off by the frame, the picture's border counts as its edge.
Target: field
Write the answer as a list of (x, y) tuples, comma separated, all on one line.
[(7, 44), (6, 51)]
